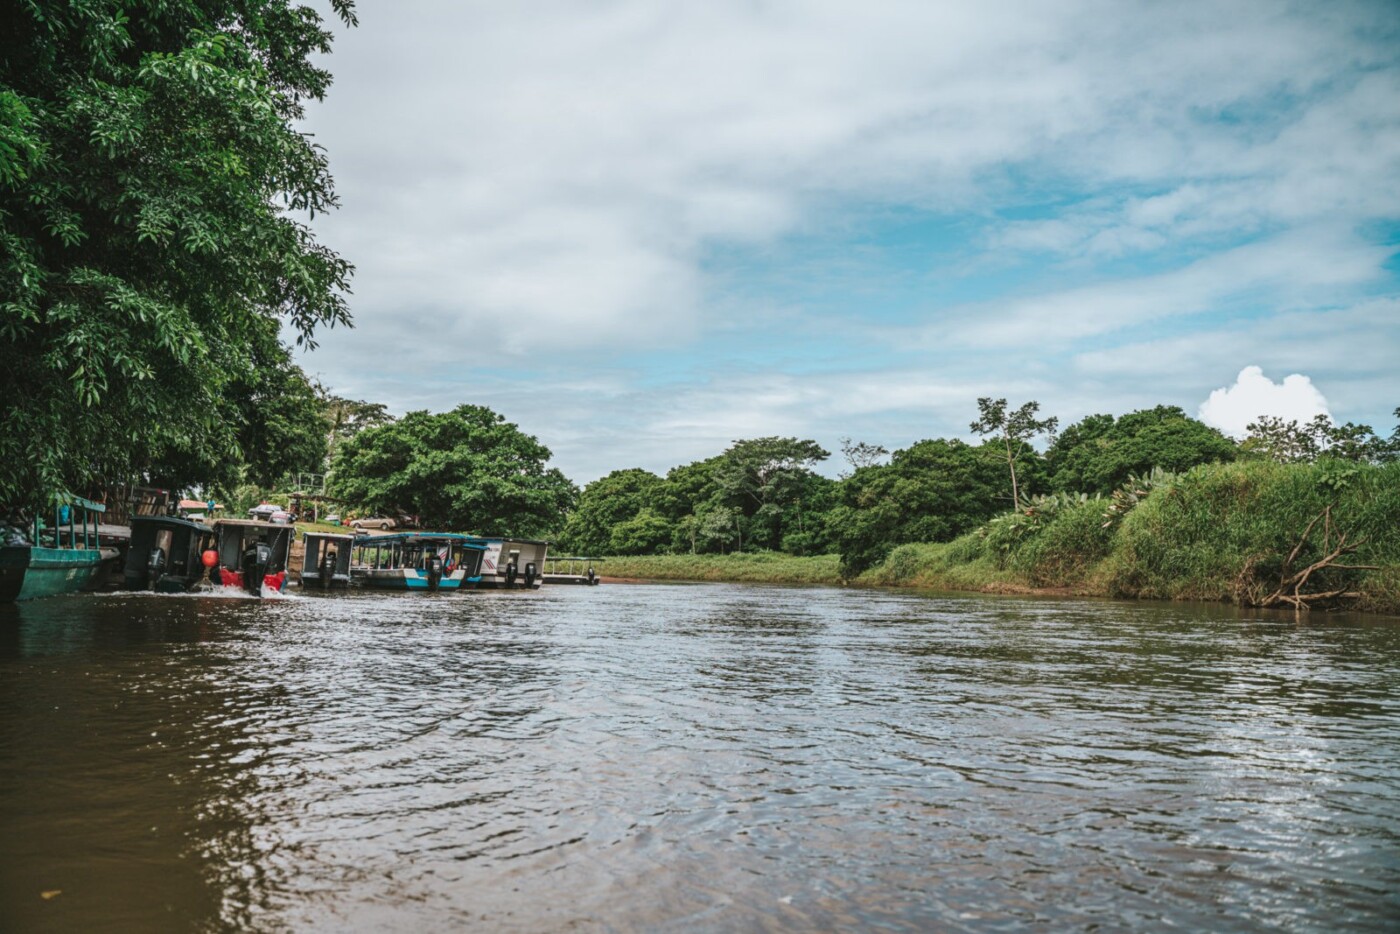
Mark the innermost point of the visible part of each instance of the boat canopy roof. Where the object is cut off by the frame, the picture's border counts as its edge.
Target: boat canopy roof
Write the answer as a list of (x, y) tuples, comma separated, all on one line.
[(171, 522), (330, 536), (424, 538), (507, 538), (251, 524)]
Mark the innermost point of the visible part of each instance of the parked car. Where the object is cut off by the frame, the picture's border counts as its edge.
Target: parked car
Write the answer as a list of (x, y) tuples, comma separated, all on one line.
[(383, 523)]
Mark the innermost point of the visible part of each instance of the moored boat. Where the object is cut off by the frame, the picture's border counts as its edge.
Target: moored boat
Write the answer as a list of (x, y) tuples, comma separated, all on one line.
[(427, 561), (572, 569), (513, 563), (251, 555), (166, 554), (58, 559), (325, 559)]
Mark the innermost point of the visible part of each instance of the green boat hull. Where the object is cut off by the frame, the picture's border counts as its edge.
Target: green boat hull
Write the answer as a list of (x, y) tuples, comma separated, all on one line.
[(14, 561), (54, 571)]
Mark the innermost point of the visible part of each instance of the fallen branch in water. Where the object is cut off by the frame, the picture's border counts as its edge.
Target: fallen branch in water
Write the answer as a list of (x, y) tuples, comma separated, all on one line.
[(1290, 590)]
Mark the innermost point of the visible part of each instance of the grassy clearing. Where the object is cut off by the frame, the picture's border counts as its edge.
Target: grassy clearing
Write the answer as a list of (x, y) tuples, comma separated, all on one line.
[(324, 527), (757, 567), (1218, 532)]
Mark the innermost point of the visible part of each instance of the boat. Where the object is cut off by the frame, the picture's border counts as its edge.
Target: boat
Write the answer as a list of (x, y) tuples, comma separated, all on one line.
[(167, 554), (572, 569), (63, 558), (513, 563), (325, 559), (251, 555), (418, 561)]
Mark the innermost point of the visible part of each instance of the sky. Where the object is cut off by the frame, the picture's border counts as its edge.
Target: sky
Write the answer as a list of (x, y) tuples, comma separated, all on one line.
[(644, 230)]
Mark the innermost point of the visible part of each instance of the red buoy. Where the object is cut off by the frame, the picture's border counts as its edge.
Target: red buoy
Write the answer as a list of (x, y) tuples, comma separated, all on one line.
[(210, 558)]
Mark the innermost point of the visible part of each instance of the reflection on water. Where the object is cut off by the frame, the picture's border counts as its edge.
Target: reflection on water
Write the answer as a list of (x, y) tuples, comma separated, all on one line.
[(674, 757)]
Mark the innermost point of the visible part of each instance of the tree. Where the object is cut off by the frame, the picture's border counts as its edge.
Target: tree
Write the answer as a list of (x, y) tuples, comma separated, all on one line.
[(686, 488), (646, 533), (467, 469), (150, 173), (1294, 442), (804, 526), (859, 454), (345, 418), (1392, 446), (720, 528), (761, 477), (1015, 429), (279, 417), (932, 491), (1100, 453), (606, 504)]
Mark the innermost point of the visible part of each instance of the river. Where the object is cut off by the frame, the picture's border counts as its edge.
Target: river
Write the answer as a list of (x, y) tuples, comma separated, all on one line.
[(694, 757)]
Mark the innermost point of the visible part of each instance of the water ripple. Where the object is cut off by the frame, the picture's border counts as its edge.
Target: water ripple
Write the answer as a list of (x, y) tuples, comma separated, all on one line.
[(680, 757)]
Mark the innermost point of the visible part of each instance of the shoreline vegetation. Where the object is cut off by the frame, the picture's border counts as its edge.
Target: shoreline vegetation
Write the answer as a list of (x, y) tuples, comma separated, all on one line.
[(1219, 533), (150, 310)]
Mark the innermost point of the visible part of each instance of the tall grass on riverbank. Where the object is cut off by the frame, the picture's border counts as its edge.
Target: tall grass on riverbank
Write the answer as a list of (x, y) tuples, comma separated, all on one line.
[(1217, 532), (749, 567)]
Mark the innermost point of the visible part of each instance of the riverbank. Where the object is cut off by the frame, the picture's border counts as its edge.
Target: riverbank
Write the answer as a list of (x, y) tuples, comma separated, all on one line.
[(1222, 533)]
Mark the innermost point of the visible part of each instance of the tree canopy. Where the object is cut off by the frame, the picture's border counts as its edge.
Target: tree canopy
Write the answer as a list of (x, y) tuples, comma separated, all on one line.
[(761, 479), (607, 504), (345, 418), (931, 491), (1015, 428), (1099, 453), (468, 469), (1303, 442), (151, 184)]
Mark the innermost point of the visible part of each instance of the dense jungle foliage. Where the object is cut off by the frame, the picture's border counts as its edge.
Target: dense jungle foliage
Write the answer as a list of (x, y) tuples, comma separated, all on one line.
[(155, 200)]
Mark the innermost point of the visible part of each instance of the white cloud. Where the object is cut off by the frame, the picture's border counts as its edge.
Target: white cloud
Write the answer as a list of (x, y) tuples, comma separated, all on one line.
[(570, 162), (1233, 408), (534, 193)]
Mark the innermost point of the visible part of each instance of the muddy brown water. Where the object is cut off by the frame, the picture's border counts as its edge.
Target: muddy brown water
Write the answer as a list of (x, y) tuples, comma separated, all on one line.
[(693, 757)]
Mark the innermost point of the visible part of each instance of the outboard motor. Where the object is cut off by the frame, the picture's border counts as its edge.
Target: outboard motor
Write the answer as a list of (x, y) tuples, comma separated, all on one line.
[(511, 573), (327, 567), (529, 575), (434, 571), (592, 576), (255, 562), (155, 567)]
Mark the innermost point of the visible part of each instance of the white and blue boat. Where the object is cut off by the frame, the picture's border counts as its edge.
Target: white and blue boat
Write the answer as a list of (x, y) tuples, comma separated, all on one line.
[(513, 563), (418, 561)]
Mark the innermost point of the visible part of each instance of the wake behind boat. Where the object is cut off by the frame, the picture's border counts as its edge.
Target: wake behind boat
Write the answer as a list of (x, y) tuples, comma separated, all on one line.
[(251, 555), (166, 554)]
